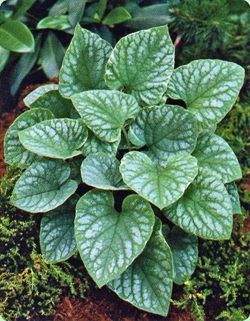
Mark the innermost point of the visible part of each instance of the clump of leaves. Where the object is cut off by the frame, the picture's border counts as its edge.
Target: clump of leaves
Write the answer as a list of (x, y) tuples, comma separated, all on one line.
[(28, 285), (123, 177)]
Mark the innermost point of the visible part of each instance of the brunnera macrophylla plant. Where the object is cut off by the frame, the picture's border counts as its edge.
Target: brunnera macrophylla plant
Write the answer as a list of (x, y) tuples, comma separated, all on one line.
[(123, 176)]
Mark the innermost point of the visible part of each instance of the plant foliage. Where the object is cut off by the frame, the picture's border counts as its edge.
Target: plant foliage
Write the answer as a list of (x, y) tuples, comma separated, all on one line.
[(136, 155)]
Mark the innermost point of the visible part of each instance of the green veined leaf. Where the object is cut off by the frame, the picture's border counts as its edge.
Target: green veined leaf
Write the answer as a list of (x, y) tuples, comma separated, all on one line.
[(101, 170), (234, 197), (166, 130), (205, 209), (94, 145), (52, 55), (109, 241), (57, 138), (105, 111), (57, 239), (53, 101), (184, 248), (208, 87), (147, 282), (58, 22), (14, 151), (215, 157), (16, 36), (159, 185), (117, 15), (84, 63), (142, 62), (35, 94), (43, 186)]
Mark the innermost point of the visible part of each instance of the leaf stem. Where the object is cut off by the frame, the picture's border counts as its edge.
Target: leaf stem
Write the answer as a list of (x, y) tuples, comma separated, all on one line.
[(126, 137)]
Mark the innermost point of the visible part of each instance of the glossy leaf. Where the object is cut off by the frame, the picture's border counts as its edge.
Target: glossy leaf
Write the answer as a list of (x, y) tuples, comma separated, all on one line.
[(57, 138), (208, 87), (58, 22), (159, 185), (53, 101), (95, 145), (117, 15), (43, 186), (101, 170), (184, 248), (147, 282), (21, 7), (142, 62), (16, 36), (57, 239), (4, 56), (39, 91), (234, 197), (166, 130), (205, 209), (105, 111), (52, 55), (14, 151), (109, 241), (24, 66), (84, 63), (215, 157), (76, 10)]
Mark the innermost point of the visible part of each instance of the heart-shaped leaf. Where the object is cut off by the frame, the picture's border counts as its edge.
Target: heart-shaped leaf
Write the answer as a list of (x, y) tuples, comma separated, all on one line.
[(57, 238), (35, 94), (84, 63), (102, 171), (43, 186), (205, 209), (52, 100), (109, 241), (215, 157), (57, 138), (147, 282), (105, 111), (184, 248), (159, 185), (234, 197), (143, 62), (94, 145), (14, 151), (166, 130), (208, 87)]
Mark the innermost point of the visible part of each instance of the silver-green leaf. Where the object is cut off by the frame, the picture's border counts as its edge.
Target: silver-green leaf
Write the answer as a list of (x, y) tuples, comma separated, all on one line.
[(234, 197), (101, 170), (109, 241), (208, 87), (57, 138), (205, 209), (35, 94), (184, 248), (147, 282), (13, 149), (142, 62), (216, 157), (84, 63), (159, 185), (57, 239), (166, 130), (105, 111), (43, 186)]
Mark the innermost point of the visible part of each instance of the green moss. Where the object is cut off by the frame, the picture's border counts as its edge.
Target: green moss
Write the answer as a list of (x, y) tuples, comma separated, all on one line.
[(28, 285)]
